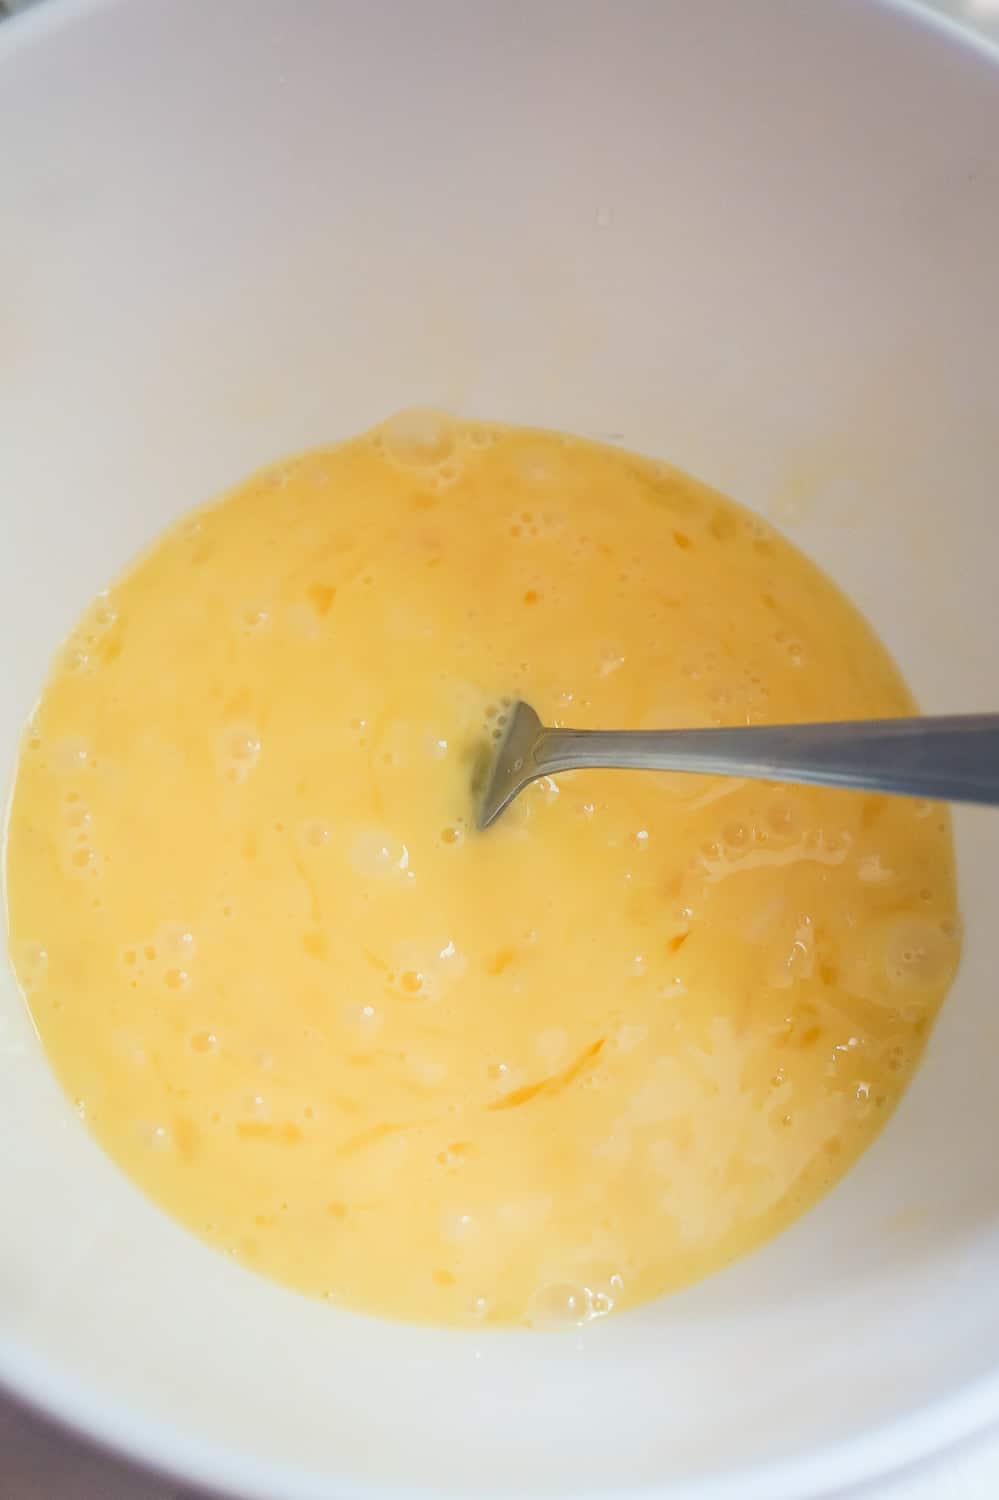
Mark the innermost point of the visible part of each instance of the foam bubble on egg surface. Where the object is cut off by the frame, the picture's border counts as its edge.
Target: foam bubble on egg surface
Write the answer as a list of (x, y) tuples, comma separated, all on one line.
[(529, 1077)]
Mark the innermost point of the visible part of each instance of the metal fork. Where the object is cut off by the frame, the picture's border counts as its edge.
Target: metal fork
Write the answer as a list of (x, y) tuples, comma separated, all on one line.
[(953, 758)]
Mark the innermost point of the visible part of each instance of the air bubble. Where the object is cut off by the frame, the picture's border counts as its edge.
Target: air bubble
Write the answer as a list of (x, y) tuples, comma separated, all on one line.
[(239, 752), (34, 959), (459, 1226), (177, 939), (315, 834), (895, 1058), (70, 755), (378, 854), (365, 1020), (560, 1305), (918, 953), (418, 438), (792, 647), (243, 746)]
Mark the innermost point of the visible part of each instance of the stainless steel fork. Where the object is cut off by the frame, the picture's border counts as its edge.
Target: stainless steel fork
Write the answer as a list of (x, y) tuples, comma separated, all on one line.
[(952, 758)]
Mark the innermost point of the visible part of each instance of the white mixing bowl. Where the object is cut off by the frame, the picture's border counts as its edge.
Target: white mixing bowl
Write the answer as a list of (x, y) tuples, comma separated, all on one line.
[(759, 237)]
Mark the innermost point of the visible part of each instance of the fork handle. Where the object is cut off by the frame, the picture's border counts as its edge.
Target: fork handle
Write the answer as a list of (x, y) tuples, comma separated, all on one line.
[(953, 758)]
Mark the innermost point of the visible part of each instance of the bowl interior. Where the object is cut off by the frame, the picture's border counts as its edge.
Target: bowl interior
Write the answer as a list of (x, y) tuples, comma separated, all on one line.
[(752, 238)]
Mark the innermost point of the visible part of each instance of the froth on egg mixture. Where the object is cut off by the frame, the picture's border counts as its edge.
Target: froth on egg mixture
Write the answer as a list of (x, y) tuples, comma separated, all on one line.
[(532, 1075)]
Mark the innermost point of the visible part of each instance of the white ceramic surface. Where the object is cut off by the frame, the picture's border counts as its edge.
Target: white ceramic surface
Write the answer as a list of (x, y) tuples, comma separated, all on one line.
[(755, 236)]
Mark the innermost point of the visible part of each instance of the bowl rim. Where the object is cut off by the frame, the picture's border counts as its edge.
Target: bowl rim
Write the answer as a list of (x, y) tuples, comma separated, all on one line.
[(855, 1462)]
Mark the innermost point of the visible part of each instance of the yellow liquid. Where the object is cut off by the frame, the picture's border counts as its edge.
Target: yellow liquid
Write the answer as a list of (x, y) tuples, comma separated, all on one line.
[(523, 1076)]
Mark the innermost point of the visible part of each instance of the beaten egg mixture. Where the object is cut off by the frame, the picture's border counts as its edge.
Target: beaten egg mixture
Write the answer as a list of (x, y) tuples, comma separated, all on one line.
[(525, 1076)]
